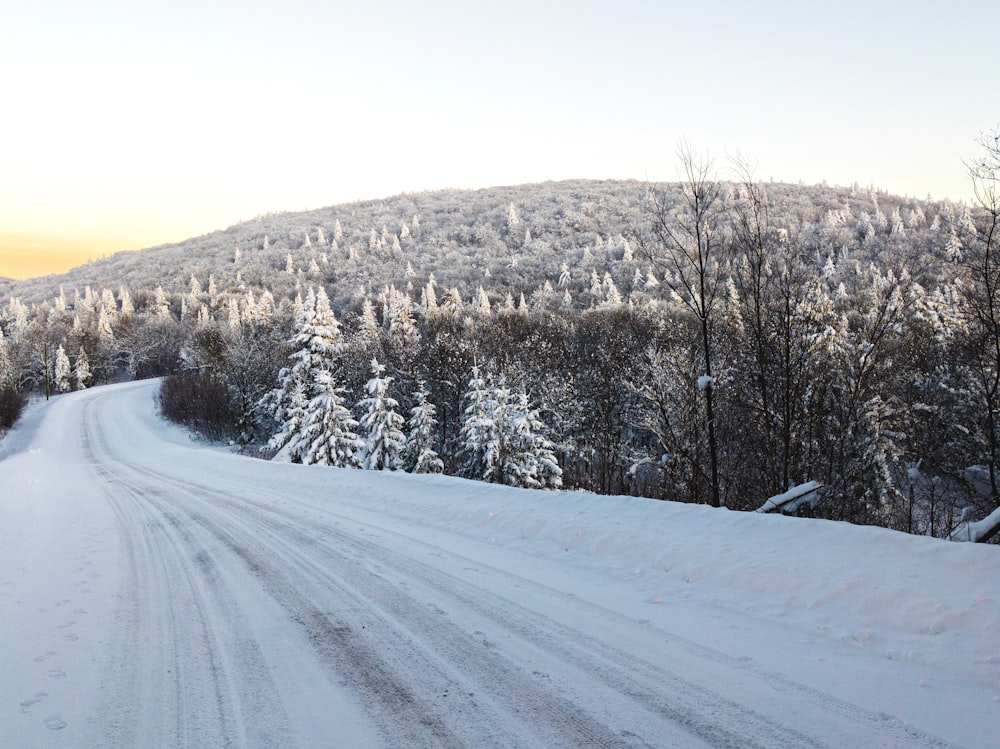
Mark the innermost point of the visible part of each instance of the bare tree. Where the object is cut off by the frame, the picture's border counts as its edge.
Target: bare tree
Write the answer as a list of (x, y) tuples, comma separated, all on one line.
[(687, 241), (771, 280), (981, 259)]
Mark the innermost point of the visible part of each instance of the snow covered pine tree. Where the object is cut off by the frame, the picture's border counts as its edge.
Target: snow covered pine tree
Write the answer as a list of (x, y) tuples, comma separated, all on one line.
[(381, 423)]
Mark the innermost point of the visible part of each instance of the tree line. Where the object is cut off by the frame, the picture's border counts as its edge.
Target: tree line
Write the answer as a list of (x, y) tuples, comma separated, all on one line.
[(734, 348)]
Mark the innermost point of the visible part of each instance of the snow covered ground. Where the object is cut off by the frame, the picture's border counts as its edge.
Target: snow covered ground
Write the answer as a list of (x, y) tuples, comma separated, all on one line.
[(158, 593)]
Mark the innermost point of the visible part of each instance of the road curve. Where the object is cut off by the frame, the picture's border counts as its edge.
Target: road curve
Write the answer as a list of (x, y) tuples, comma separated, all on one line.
[(263, 606)]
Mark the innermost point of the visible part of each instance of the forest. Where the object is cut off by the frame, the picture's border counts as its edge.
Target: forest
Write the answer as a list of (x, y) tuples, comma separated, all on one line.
[(718, 340)]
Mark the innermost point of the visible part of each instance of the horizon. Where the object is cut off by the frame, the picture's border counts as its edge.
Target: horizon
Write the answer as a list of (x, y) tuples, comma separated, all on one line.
[(187, 120)]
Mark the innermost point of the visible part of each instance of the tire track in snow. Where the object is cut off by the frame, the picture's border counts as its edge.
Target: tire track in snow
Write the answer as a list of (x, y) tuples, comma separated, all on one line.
[(703, 710), (182, 654), (355, 601), (715, 720), (381, 650), (705, 713), (422, 696), (144, 504)]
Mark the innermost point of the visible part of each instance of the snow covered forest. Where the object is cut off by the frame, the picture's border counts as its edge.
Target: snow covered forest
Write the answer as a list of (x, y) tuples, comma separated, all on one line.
[(717, 340)]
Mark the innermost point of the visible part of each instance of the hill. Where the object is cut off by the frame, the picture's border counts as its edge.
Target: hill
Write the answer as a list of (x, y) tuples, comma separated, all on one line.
[(508, 239)]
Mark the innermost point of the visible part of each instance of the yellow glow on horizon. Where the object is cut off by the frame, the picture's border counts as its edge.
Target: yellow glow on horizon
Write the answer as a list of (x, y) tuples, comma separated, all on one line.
[(24, 255)]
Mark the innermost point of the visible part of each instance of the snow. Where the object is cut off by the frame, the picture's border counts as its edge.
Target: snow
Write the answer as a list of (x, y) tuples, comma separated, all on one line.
[(967, 530), (158, 591), (787, 501), (977, 531), (704, 381)]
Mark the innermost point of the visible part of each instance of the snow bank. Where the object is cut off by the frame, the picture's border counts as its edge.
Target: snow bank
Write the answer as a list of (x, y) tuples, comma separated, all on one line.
[(900, 597)]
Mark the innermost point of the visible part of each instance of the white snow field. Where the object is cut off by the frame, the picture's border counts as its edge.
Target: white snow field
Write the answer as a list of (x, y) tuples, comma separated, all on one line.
[(155, 592)]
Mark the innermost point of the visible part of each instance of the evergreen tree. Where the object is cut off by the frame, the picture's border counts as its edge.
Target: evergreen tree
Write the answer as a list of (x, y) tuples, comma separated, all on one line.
[(430, 297), (233, 316), (627, 255), (481, 445), (127, 307), (291, 418), (303, 389), (265, 306), (368, 328), (81, 370), (530, 456), (451, 304), (503, 438), (418, 450), (7, 373), (248, 314), (62, 371), (381, 424), (483, 302), (397, 318), (328, 434), (318, 336), (106, 315), (612, 297), (161, 305)]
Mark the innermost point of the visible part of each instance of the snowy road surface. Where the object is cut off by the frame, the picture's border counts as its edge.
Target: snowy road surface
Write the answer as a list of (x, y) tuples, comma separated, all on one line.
[(158, 593)]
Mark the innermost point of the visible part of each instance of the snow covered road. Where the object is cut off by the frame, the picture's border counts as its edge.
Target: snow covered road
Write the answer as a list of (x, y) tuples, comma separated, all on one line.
[(157, 593)]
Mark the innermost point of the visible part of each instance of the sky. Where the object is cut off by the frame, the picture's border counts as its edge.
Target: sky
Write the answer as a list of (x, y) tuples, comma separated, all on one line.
[(129, 124)]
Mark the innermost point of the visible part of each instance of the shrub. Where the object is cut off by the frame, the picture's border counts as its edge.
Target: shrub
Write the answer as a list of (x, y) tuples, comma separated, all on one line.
[(202, 402), (12, 403)]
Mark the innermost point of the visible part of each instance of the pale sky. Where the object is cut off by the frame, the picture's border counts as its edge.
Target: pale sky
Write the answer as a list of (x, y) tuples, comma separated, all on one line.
[(130, 123)]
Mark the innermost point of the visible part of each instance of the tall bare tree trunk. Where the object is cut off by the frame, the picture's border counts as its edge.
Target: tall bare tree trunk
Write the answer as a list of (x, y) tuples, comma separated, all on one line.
[(688, 244)]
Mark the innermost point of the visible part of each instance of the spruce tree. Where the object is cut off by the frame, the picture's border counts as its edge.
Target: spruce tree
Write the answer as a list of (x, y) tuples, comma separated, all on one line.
[(62, 372), (81, 370), (302, 391), (7, 373), (480, 436), (418, 450), (381, 424), (530, 457), (291, 416), (328, 435), (503, 438)]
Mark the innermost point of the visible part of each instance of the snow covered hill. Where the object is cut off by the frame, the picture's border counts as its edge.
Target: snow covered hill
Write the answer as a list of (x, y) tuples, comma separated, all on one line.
[(157, 592), (504, 238)]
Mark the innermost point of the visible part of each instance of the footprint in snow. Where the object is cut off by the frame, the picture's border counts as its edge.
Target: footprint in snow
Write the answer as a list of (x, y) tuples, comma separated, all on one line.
[(53, 723), (27, 704)]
